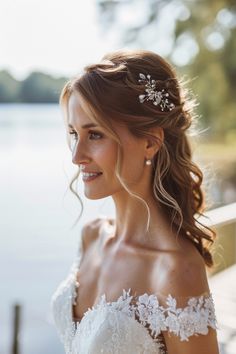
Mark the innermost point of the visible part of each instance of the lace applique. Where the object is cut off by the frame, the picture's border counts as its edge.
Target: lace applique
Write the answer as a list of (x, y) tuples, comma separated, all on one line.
[(61, 305), (112, 328), (61, 308), (184, 322), (193, 319)]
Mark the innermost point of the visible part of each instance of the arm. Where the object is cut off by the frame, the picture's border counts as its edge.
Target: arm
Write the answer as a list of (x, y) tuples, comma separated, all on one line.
[(183, 280), (204, 344)]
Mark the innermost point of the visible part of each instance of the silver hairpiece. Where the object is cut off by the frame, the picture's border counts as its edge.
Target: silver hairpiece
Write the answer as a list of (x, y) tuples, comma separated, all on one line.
[(152, 94)]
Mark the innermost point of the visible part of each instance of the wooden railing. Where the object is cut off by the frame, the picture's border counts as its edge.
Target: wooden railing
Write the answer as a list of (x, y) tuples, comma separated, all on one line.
[(223, 221)]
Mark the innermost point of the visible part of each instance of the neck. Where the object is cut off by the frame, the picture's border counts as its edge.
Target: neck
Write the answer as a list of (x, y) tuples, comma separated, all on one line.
[(131, 220)]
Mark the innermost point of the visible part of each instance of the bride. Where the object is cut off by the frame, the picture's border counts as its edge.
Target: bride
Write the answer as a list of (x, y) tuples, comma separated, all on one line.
[(139, 282)]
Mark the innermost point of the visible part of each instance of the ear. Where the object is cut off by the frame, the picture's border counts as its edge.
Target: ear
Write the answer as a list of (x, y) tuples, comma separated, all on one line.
[(154, 143)]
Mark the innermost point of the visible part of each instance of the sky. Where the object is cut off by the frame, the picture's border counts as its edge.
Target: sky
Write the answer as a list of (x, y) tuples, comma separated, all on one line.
[(54, 36), (61, 37)]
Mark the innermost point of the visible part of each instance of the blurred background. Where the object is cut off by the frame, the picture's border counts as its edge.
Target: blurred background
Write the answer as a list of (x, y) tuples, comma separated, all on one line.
[(43, 43)]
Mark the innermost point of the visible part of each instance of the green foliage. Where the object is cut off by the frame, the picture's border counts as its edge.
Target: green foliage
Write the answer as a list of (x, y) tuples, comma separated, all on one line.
[(39, 87), (211, 25), (9, 88), (213, 68), (36, 88)]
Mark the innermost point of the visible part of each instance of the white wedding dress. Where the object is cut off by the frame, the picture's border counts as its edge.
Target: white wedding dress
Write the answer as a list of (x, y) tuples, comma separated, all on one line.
[(129, 325)]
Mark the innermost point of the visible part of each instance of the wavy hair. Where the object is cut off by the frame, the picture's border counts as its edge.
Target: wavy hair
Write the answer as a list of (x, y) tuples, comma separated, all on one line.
[(110, 91)]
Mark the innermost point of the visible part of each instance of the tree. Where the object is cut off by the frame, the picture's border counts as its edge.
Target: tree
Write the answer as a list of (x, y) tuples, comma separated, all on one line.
[(9, 88), (39, 87), (36, 88), (201, 42)]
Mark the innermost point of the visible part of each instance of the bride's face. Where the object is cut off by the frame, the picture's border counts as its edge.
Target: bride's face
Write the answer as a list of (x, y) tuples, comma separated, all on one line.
[(96, 151)]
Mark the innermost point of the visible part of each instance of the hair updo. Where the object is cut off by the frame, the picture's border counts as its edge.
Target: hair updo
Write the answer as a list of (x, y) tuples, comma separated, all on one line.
[(110, 90)]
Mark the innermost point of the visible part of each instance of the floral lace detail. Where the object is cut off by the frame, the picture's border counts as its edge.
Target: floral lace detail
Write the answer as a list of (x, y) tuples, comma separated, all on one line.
[(184, 322), (127, 305), (61, 305), (193, 319)]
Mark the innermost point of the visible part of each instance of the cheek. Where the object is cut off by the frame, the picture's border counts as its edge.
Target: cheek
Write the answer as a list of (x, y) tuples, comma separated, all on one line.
[(105, 156), (133, 165)]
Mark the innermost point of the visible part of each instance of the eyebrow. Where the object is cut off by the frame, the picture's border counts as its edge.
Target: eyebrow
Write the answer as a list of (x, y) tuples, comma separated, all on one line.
[(85, 126)]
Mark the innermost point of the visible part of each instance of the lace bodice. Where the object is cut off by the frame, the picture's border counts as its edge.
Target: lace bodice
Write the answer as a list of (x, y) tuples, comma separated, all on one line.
[(131, 324)]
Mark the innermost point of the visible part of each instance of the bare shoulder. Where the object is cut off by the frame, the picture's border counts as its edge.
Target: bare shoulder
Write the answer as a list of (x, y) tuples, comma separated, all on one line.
[(183, 274), (91, 231), (186, 277)]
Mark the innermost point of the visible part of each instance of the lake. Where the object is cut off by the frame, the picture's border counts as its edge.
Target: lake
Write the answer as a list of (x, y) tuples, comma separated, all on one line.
[(38, 243)]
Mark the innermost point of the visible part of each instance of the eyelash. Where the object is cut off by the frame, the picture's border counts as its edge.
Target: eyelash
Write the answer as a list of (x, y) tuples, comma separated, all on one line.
[(73, 133)]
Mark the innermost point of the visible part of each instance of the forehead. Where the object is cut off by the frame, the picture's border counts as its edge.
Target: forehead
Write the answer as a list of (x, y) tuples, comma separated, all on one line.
[(76, 113), (77, 117)]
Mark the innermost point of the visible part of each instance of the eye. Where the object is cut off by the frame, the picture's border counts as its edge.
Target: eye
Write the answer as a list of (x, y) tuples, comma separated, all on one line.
[(95, 135), (74, 134), (92, 135)]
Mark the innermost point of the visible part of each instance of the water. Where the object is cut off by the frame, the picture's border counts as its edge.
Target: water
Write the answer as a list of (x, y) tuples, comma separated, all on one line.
[(37, 213)]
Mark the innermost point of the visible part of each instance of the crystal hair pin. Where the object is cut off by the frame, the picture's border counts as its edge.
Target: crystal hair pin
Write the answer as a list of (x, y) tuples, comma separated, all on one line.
[(153, 94)]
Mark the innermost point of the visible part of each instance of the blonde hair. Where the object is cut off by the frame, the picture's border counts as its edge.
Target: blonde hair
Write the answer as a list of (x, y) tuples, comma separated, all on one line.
[(110, 91)]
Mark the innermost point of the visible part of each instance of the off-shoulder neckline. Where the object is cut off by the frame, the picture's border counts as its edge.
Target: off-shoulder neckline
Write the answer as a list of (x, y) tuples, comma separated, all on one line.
[(134, 299), (199, 313), (102, 299)]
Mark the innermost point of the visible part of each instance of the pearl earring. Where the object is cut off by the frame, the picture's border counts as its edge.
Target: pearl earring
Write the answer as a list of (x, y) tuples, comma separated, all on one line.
[(148, 162)]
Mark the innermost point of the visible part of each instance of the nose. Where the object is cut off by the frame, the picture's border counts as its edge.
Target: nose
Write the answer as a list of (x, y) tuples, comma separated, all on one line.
[(79, 155)]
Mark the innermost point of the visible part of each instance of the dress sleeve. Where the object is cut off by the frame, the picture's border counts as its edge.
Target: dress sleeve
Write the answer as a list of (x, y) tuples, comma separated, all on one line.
[(183, 316)]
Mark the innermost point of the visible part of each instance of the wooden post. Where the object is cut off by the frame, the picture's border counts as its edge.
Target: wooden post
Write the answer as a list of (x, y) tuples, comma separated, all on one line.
[(16, 329)]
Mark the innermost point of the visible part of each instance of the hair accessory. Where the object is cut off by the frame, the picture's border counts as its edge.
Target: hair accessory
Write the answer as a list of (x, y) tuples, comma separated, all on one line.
[(148, 162), (152, 93)]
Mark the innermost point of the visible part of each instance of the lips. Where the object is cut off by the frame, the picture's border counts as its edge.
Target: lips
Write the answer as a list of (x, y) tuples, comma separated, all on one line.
[(87, 177), (90, 174), (84, 171)]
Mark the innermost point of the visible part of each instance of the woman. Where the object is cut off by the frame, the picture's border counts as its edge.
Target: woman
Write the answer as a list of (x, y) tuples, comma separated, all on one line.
[(139, 284)]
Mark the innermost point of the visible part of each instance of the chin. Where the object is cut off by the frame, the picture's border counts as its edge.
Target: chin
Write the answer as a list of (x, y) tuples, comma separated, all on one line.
[(96, 195)]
